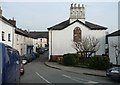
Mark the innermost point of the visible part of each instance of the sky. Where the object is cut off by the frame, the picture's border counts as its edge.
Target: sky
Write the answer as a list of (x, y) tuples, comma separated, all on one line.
[(34, 15)]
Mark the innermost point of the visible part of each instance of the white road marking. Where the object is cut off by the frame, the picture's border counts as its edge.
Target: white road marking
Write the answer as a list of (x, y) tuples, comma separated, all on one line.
[(71, 78), (80, 79), (43, 78), (88, 81)]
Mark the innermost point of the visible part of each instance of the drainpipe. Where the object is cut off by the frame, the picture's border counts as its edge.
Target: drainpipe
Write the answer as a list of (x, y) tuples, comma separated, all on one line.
[(106, 46), (51, 44), (13, 38)]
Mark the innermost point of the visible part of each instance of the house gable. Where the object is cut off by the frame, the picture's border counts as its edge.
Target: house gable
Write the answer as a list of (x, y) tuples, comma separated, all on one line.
[(67, 23)]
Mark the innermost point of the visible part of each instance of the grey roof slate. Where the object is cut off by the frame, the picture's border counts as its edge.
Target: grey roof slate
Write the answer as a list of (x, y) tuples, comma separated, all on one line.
[(8, 22), (21, 32), (116, 33), (36, 34), (66, 23)]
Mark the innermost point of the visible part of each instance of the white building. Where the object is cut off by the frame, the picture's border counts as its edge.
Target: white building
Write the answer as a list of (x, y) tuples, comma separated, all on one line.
[(113, 40), (40, 38), (23, 42), (62, 35), (6, 30)]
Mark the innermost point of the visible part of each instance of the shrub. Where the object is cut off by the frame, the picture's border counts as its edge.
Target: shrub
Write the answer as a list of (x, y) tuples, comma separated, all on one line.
[(84, 61), (70, 59), (99, 62)]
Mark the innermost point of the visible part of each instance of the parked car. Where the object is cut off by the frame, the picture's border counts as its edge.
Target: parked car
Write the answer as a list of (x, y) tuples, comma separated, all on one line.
[(33, 56), (22, 69), (46, 49), (9, 65), (41, 50), (27, 57), (113, 73), (36, 54), (23, 60)]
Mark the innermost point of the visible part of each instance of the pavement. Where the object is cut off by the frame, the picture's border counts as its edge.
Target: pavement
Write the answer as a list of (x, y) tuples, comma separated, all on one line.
[(78, 70)]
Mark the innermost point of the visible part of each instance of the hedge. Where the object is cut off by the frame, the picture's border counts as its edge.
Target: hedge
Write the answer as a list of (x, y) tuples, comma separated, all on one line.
[(70, 59), (99, 62), (96, 62)]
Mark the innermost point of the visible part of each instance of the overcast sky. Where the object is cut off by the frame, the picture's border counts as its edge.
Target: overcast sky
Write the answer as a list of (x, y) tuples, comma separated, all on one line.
[(39, 15)]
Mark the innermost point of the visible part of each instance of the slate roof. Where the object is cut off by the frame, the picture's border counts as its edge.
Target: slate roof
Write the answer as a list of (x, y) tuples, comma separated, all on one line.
[(36, 34), (21, 32), (31, 34), (116, 33), (66, 23), (8, 22)]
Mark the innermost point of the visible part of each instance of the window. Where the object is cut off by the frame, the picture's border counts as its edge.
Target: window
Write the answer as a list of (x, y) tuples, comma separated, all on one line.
[(40, 40), (40, 45), (9, 37), (77, 34), (17, 37), (3, 36)]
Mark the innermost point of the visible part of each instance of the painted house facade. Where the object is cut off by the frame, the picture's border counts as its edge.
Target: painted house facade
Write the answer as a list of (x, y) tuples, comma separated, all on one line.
[(40, 38), (6, 30), (26, 42), (62, 35), (114, 41), (23, 42)]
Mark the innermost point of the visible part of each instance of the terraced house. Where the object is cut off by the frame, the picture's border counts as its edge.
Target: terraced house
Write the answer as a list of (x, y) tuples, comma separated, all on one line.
[(6, 30), (23, 41)]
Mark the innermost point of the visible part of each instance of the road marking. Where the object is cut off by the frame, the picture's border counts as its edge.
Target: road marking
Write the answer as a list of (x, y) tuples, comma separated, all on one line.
[(88, 81), (43, 78), (71, 78), (80, 80)]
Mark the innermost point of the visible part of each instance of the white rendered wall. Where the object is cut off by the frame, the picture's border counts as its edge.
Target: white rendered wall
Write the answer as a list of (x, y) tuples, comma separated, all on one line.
[(41, 42), (119, 49), (111, 41), (7, 29), (21, 42), (62, 40)]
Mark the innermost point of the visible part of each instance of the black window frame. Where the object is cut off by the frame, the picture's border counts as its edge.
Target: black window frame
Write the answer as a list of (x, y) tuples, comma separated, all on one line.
[(9, 37), (3, 36)]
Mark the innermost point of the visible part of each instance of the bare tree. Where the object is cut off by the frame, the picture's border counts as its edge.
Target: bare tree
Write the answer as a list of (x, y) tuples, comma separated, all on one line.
[(86, 44), (117, 51)]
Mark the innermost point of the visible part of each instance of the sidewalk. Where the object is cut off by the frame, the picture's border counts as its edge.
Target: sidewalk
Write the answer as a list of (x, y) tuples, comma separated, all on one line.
[(77, 70)]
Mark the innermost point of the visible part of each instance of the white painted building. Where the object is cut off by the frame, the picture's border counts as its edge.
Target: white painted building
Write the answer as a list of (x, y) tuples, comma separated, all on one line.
[(6, 30), (41, 42), (40, 38), (113, 40), (23, 42), (62, 35)]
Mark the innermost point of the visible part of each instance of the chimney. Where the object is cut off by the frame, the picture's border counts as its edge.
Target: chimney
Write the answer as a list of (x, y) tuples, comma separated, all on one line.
[(0, 12), (77, 12), (13, 22)]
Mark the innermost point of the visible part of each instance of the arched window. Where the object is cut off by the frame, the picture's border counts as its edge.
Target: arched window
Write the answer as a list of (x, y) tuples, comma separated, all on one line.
[(77, 34)]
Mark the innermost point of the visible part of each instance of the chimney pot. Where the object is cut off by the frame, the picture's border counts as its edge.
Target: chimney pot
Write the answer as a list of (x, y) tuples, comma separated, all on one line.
[(13, 21)]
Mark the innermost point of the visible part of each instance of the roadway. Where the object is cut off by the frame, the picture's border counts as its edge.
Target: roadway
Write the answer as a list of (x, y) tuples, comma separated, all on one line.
[(37, 72)]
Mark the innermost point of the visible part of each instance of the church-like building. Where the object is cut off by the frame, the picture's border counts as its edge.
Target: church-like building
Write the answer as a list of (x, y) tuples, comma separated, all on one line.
[(62, 35)]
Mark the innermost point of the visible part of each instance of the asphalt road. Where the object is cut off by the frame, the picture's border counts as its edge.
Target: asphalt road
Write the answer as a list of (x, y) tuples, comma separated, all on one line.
[(37, 72)]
